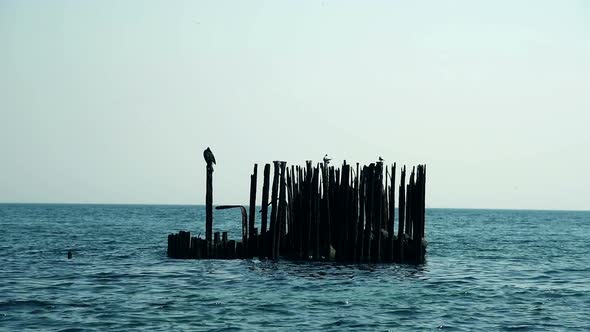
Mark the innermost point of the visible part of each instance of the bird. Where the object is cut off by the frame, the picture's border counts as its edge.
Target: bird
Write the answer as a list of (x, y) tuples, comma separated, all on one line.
[(381, 159), (209, 157), (326, 159)]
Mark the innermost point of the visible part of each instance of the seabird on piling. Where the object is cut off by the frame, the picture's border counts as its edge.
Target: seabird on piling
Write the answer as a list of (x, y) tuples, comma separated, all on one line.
[(209, 157), (326, 159)]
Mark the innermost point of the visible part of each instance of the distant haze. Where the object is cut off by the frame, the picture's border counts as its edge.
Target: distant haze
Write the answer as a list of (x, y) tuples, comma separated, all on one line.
[(115, 101)]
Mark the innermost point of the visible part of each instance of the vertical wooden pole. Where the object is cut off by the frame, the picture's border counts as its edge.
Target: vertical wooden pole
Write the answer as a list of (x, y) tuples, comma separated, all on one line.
[(325, 226), (331, 227), (302, 213), (361, 223), (252, 215), (369, 211), (402, 214), (290, 211), (392, 215), (411, 215), (274, 211), (355, 217), (423, 200), (343, 222), (378, 220), (209, 208), (282, 213), (308, 204), (317, 214), (216, 245), (264, 213), (224, 251)]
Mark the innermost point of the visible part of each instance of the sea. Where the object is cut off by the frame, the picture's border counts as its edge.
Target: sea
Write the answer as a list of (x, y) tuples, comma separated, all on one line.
[(499, 270)]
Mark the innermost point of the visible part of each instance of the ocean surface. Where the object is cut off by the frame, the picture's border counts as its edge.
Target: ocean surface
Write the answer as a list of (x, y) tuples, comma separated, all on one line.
[(485, 270)]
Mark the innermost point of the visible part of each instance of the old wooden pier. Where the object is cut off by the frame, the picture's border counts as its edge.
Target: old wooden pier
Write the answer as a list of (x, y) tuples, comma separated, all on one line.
[(319, 212)]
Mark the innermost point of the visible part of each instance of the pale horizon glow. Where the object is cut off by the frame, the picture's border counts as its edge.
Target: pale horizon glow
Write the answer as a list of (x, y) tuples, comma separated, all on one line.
[(115, 101)]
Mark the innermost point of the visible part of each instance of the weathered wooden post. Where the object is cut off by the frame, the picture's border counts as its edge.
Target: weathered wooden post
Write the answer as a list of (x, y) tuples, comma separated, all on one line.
[(262, 251), (281, 217), (252, 245), (402, 214), (391, 228), (378, 206), (274, 209), (210, 160)]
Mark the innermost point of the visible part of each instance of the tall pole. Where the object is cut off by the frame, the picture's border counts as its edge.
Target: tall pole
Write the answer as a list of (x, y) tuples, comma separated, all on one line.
[(209, 207)]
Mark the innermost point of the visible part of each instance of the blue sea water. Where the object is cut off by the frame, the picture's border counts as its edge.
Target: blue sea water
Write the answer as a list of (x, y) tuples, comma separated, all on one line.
[(485, 270)]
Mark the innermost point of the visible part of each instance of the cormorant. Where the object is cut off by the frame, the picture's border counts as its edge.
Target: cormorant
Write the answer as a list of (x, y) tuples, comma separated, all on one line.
[(209, 158)]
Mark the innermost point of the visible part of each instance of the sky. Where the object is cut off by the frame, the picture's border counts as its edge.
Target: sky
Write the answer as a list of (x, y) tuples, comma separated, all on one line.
[(114, 101)]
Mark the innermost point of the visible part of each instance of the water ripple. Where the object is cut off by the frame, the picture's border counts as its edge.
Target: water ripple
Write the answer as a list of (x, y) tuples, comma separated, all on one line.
[(486, 270)]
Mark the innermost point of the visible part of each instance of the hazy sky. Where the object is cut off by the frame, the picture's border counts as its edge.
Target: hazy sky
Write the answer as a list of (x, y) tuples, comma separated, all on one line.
[(114, 101)]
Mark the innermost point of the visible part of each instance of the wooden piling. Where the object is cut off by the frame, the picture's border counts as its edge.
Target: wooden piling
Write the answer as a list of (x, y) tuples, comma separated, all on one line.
[(224, 243), (378, 220), (252, 215), (391, 228), (316, 213), (209, 207), (402, 215), (369, 212), (282, 213), (216, 245), (361, 222), (264, 212), (274, 209)]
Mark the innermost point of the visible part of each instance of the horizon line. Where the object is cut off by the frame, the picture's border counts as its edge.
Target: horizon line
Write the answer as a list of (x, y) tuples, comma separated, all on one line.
[(180, 204)]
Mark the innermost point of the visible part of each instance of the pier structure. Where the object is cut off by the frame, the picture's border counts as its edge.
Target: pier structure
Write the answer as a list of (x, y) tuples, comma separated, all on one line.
[(322, 213)]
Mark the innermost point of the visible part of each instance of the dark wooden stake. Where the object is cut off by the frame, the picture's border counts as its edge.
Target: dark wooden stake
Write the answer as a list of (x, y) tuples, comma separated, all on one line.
[(209, 208), (264, 212), (252, 215)]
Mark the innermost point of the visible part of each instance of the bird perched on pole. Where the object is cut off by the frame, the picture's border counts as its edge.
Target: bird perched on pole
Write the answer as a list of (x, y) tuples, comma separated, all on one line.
[(381, 159), (326, 159), (209, 157)]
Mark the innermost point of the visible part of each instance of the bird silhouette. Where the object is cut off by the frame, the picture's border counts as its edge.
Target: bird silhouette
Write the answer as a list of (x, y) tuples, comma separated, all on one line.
[(209, 157), (381, 159), (326, 159)]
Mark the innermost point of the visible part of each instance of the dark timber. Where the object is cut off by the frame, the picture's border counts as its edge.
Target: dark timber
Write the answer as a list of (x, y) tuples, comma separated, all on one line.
[(252, 236), (319, 212), (209, 206)]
